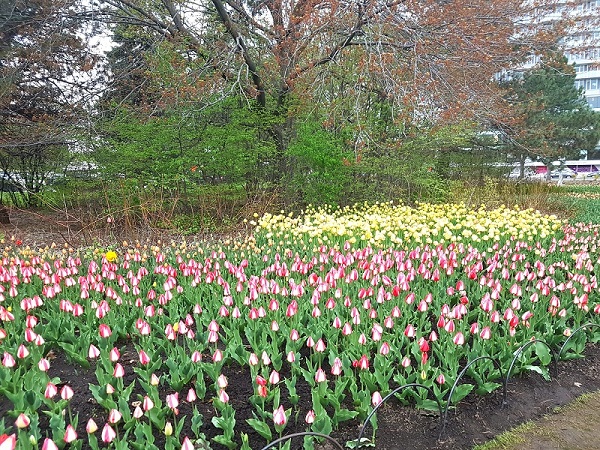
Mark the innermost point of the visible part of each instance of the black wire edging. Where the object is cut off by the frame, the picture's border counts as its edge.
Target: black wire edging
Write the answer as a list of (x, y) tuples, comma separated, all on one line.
[(395, 391), (458, 378), (514, 360), (304, 433), (590, 324), (444, 416)]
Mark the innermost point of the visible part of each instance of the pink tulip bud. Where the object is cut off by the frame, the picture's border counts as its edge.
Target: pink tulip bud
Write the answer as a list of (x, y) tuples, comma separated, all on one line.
[(110, 389), (320, 376), (147, 403), (137, 412), (191, 396), (310, 417), (459, 339), (49, 445), (114, 354), (8, 442), (43, 365), (91, 426), (405, 362), (274, 377), (104, 331), (22, 421), (336, 367), (93, 352), (486, 333), (187, 444), (119, 372), (70, 434), (66, 393), (8, 360), (51, 390), (114, 416), (291, 357), (222, 381), (347, 329), (223, 397), (22, 352), (144, 358), (440, 379), (279, 417), (108, 434), (474, 328), (30, 335), (253, 359), (217, 356), (376, 398), (196, 356), (173, 400), (265, 359)]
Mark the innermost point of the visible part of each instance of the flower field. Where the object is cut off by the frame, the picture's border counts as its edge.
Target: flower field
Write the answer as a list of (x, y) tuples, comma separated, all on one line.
[(322, 314)]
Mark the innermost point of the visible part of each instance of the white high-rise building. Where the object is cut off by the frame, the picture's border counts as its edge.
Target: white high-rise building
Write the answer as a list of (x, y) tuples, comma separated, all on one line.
[(582, 47)]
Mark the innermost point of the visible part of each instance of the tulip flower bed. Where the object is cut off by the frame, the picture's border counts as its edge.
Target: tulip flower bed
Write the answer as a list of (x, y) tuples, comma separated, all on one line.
[(317, 318)]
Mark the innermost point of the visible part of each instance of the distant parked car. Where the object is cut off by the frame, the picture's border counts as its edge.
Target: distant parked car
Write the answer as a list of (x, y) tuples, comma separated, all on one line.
[(565, 173)]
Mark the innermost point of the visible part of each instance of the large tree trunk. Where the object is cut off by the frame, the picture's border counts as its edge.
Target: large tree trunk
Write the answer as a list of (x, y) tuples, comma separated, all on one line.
[(522, 167)]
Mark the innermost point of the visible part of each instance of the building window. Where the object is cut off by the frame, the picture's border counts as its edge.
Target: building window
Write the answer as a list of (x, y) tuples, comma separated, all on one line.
[(594, 102)]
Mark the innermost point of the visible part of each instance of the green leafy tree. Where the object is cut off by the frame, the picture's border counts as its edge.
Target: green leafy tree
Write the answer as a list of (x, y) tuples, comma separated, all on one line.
[(551, 118)]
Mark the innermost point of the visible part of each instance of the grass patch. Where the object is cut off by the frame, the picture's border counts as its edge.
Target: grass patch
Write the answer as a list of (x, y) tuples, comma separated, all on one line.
[(532, 433), (509, 439)]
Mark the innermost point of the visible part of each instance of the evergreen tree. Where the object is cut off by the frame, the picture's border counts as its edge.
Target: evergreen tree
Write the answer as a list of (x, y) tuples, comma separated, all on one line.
[(551, 117)]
